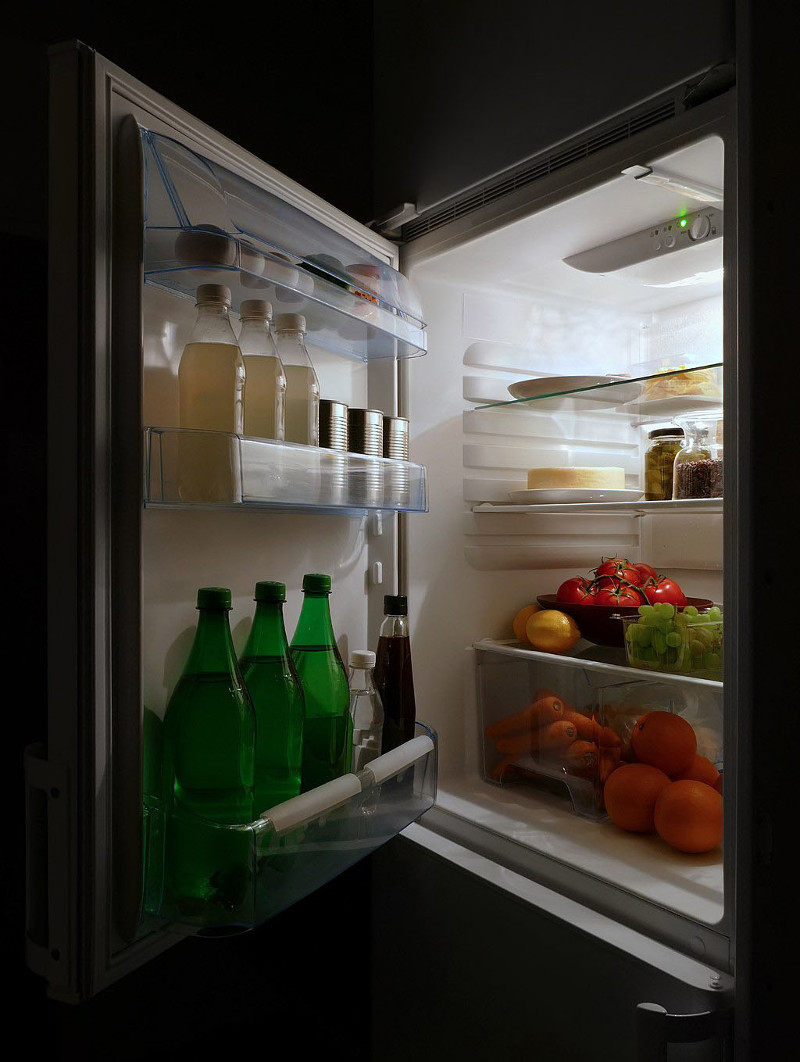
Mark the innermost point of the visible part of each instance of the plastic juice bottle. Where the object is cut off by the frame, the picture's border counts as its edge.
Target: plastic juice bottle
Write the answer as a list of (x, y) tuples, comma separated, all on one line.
[(328, 728), (209, 753), (366, 709), (265, 380), (278, 700), (211, 378), (301, 418), (393, 673)]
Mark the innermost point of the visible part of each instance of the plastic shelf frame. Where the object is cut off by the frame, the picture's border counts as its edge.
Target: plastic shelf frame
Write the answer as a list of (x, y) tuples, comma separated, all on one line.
[(205, 224), (260, 473), (250, 873)]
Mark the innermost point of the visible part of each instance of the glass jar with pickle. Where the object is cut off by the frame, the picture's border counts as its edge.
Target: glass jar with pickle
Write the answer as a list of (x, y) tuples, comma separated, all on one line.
[(659, 458)]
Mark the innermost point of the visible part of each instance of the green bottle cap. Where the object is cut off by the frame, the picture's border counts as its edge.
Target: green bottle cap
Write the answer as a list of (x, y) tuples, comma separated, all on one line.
[(213, 597), (317, 583), (270, 591)]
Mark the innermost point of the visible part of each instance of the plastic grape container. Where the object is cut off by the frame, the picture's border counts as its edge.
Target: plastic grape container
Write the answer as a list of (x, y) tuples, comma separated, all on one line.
[(680, 641)]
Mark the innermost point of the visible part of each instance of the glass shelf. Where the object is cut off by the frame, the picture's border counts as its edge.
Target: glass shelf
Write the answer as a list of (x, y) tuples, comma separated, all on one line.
[(259, 473), (206, 224), (656, 392), (635, 508), (256, 870)]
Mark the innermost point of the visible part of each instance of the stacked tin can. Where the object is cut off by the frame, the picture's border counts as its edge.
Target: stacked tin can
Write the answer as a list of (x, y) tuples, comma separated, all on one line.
[(365, 436), (395, 446), (333, 436)]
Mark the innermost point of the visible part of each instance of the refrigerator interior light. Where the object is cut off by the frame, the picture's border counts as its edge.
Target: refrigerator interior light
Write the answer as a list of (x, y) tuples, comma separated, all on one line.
[(702, 193)]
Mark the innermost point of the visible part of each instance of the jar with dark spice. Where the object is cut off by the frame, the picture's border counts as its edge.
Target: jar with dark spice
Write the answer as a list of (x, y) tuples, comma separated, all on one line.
[(659, 457), (698, 469)]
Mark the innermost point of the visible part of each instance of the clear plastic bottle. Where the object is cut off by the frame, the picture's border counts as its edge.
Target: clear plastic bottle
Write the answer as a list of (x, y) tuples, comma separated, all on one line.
[(366, 709), (328, 728), (211, 378), (265, 380), (394, 677), (301, 417)]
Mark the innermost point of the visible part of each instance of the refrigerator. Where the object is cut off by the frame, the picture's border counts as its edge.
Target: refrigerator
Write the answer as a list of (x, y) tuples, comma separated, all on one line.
[(615, 262)]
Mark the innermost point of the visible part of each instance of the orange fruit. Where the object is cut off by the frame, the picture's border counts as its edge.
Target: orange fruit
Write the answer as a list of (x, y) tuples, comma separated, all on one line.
[(701, 769), (664, 740), (519, 621), (551, 631), (630, 795), (688, 816)]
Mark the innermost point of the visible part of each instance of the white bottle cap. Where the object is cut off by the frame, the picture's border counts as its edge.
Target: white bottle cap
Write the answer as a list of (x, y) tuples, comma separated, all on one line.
[(256, 308), (214, 293), (290, 322), (362, 658)]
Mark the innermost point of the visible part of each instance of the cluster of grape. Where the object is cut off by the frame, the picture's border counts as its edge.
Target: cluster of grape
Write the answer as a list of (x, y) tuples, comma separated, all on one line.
[(664, 639)]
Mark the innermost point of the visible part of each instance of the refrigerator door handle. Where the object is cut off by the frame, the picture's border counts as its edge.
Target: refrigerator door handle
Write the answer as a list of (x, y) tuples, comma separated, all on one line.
[(656, 1029)]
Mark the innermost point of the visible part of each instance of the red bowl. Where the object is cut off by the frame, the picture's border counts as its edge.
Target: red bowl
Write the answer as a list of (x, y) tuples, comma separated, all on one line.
[(599, 623)]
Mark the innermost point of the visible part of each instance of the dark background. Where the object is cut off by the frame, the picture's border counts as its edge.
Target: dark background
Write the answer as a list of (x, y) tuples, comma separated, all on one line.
[(367, 105)]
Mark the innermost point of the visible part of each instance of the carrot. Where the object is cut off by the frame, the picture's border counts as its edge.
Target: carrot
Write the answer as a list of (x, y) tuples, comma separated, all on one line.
[(538, 713), (609, 761), (608, 738), (559, 733), (584, 724)]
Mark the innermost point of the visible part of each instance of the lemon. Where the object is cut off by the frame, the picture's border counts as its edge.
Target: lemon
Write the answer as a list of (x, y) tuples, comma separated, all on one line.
[(519, 621), (551, 631)]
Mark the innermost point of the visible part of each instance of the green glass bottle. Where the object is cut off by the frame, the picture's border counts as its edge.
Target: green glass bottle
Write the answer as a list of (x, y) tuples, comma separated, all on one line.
[(328, 728), (209, 751), (278, 700)]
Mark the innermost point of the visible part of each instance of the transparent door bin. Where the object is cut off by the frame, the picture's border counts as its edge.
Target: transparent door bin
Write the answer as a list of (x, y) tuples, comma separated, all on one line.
[(204, 223), (212, 879), (565, 730), (277, 474)]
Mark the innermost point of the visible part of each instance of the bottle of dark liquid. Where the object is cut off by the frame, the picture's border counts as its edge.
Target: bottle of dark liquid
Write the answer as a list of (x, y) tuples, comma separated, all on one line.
[(394, 679), (278, 701), (209, 748), (328, 728)]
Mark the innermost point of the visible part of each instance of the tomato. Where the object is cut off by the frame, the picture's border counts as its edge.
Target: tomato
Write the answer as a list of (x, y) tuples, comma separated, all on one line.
[(646, 571), (619, 595), (665, 590), (576, 591), (618, 568)]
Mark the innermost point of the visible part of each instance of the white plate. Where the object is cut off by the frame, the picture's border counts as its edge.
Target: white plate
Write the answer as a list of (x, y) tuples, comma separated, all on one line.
[(581, 494), (555, 386)]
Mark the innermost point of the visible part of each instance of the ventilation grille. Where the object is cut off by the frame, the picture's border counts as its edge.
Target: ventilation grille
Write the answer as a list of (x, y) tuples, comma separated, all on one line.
[(543, 167)]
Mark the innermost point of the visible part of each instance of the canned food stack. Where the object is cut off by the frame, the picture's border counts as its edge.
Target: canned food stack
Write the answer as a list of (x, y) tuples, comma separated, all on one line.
[(365, 436), (333, 435), (395, 446)]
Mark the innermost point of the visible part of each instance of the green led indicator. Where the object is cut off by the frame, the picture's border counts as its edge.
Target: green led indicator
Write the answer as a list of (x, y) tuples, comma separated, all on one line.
[(683, 223)]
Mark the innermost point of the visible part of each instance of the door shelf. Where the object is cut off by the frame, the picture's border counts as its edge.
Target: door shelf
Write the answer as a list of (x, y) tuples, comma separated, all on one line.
[(203, 223), (246, 874), (263, 474)]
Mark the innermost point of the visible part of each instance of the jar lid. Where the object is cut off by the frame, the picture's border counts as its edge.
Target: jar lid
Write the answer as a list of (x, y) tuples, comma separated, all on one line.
[(213, 293), (395, 605), (658, 432)]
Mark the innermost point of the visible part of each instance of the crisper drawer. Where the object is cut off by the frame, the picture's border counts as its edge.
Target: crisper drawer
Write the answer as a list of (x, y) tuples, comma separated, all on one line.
[(213, 879), (565, 725)]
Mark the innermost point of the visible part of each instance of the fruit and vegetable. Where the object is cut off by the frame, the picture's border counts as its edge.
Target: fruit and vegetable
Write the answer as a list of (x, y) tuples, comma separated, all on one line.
[(661, 638), (647, 773), (620, 582)]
